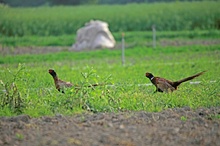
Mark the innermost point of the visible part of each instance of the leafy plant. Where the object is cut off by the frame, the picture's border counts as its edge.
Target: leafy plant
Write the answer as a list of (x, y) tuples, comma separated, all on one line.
[(11, 95), (183, 118), (92, 86), (19, 136)]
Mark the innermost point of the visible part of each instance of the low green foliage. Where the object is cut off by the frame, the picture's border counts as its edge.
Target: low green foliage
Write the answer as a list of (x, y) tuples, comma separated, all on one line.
[(106, 54), (121, 87), (19, 136), (215, 117), (183, 118)]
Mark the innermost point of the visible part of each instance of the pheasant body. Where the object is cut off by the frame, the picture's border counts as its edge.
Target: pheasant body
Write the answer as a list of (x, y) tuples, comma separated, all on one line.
[(60, 84), (164, 85)]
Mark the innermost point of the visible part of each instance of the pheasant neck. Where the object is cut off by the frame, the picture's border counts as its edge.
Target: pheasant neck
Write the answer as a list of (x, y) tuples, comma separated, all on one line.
[(55, 78), (152, 78)]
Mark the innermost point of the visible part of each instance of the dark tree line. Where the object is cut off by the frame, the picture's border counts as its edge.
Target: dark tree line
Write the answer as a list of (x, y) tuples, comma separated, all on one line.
[(24, 3), (33, 3)]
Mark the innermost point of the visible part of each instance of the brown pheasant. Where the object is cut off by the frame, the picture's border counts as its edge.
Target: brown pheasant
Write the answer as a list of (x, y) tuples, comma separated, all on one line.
[(60, 85), (164, 85)]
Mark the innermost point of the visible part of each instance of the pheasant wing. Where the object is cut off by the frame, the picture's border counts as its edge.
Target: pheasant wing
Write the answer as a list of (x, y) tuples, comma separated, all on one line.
[(64, 84), (164, 86)]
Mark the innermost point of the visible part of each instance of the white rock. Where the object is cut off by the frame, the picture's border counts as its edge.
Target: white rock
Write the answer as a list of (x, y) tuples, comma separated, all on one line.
[(94, 35)]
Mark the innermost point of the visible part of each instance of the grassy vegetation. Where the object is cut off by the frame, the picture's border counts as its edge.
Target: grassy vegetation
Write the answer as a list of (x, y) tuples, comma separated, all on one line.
[(102, 54), (32, 87), (54, 21), (26, 87)]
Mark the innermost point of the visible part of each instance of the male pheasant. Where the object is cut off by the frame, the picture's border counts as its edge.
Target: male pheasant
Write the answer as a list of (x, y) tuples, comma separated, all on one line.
[(164, 85)]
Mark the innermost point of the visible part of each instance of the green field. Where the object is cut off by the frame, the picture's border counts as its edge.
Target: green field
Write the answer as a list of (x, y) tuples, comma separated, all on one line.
[(26, 87), (56, 21), (57, 26)]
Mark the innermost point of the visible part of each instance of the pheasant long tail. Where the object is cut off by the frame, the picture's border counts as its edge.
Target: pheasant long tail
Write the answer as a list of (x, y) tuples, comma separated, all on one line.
[(187, 79)]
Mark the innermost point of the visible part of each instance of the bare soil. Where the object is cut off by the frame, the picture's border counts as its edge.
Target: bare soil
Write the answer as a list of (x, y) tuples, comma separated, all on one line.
[(54, 49), (178, 126)]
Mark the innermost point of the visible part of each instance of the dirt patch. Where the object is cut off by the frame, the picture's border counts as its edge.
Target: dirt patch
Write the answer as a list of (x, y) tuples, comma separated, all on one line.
[(30, 50), (46, 49), (165, 42), (178, 126)]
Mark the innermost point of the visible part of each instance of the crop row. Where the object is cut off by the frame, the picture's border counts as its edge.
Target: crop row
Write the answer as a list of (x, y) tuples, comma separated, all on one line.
[(47, 21)]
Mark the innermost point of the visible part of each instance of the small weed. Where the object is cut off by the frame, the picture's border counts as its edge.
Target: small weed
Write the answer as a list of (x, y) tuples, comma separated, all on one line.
[(214, 117), (183, 118), (19, 136)]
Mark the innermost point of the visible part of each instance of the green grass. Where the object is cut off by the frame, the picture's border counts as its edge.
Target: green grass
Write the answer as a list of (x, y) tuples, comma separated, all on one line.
[(57, 21), (103, 54), (29, 89), (26, 87)]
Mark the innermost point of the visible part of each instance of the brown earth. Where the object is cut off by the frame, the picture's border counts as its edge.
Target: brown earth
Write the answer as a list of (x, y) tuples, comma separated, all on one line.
[(178, 126), (54, 49)]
